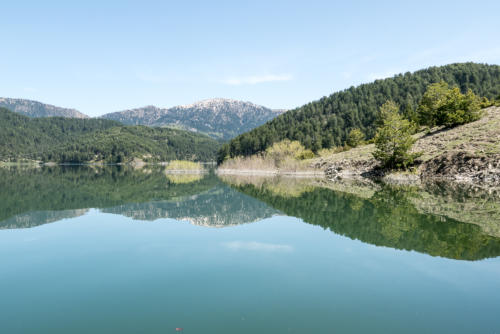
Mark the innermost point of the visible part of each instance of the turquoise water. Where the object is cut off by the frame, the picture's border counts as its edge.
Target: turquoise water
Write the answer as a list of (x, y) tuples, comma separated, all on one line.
[(235, 257)]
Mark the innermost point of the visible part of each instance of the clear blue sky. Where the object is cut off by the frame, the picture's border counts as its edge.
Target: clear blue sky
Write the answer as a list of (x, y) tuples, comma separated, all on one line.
[(101, 58)]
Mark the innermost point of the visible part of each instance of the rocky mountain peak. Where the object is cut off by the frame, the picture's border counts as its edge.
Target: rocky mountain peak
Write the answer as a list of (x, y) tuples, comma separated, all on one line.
[(217, 103), (218, 117), (38, 109)]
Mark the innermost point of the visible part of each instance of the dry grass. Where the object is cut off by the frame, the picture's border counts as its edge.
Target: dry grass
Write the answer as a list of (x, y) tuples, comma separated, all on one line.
[(282, 157), (183, 165), (360, 153), (253, 162)]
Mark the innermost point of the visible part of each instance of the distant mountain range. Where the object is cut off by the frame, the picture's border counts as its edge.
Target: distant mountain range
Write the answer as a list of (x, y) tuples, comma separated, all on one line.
[(218, 118), (38, 109)]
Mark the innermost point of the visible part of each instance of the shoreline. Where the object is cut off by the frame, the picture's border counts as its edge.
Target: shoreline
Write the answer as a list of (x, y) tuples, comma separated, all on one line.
[(262, 172)]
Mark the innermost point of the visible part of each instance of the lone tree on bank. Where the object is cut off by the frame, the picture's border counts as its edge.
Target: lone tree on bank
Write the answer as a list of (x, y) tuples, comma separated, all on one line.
[(393, 139)]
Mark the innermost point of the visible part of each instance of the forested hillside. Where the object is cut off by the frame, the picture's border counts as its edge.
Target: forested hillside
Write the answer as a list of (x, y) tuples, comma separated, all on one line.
[(326, 122), (58, 139)]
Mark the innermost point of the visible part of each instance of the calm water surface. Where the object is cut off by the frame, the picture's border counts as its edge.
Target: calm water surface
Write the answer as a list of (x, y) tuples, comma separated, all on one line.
[(114, 250)]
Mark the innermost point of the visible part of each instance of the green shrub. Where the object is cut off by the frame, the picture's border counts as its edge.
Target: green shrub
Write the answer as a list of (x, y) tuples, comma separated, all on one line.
[(485, 103), (441, 105), (306, 154), (355, 137), (286, 149)]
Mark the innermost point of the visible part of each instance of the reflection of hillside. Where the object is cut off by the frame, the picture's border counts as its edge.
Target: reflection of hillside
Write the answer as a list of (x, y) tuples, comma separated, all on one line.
[(79, 187), (461, 202), (385, 216), (218, 207)]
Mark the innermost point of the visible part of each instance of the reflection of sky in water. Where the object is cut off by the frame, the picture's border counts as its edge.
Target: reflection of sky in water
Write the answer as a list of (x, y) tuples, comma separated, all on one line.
[(108, 273), (257, 246)]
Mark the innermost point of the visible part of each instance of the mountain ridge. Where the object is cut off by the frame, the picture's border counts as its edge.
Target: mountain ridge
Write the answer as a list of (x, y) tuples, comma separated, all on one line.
[(32, 108), (220, 118)]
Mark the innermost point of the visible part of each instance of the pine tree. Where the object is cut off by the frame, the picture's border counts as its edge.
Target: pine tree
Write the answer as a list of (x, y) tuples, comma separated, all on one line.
[(393, 139)]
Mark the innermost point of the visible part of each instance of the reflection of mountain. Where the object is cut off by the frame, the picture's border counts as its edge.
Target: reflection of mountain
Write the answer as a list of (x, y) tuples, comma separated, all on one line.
[(386, 217), (31, 197), (218, 207), (50, 189), (36, 218)]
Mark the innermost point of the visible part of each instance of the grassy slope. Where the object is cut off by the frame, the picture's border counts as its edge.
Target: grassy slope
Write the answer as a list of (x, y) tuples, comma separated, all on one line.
[(478, 138)]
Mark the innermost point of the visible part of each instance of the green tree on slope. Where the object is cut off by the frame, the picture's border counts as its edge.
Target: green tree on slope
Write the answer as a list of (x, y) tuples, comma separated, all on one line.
[(355, 137), (441, 105), (393, 139)]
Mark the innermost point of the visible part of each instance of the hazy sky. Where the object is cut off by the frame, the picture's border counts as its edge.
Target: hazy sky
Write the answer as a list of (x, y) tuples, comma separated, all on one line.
[(101, 58)]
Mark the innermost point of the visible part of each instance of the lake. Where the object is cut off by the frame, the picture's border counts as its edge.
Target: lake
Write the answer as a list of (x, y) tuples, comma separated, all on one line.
[(122, 250)]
